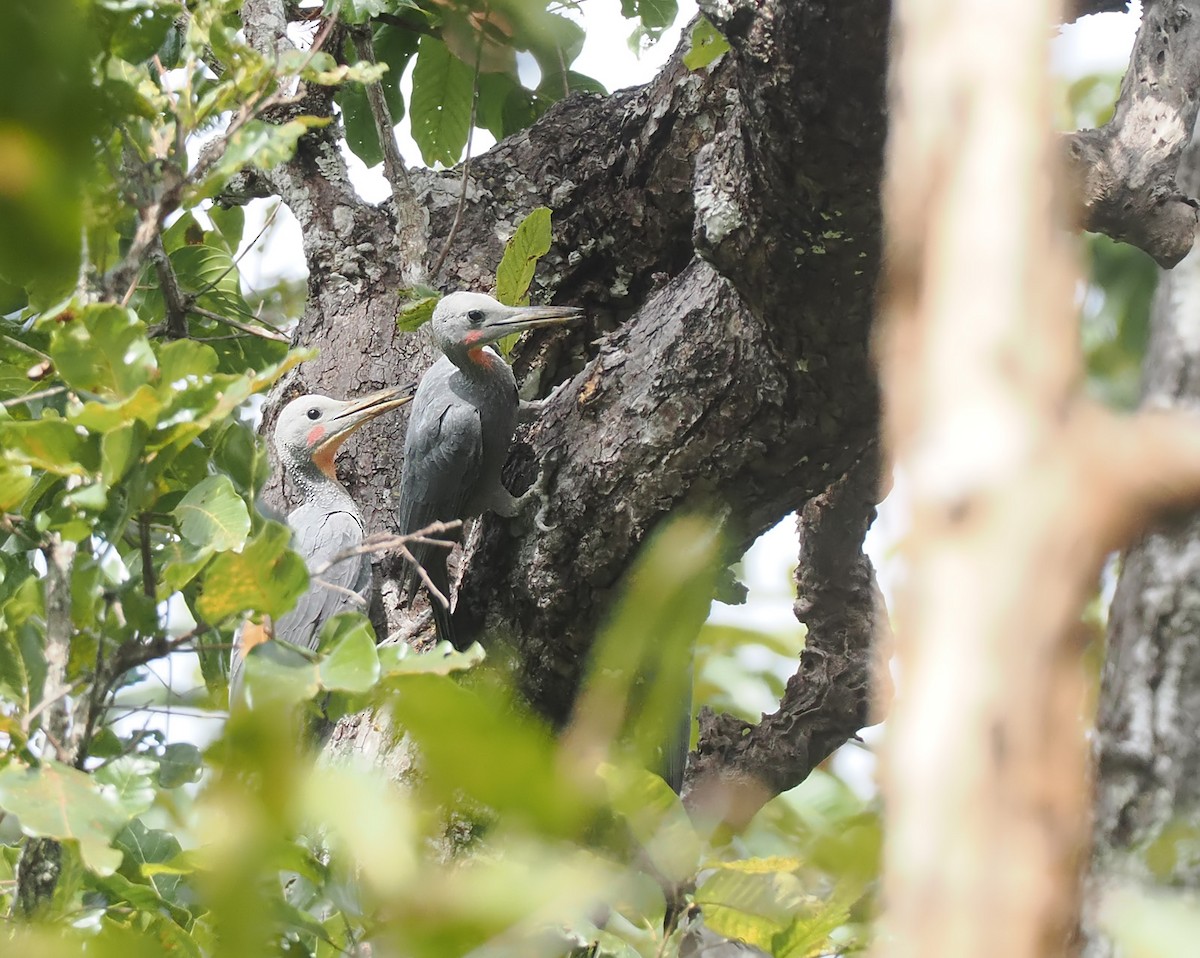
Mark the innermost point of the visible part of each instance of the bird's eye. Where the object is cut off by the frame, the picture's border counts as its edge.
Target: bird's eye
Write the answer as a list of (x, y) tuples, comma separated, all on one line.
[(475, 315), (314, 413)]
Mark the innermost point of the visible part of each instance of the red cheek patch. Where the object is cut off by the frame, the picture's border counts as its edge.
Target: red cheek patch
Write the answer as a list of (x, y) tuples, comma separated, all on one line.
[(473, 337), (315, 434)]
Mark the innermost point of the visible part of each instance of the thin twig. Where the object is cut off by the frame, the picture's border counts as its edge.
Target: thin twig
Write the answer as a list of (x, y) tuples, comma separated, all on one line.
[(237, 324), (29, 397), (382, 542), (393, 162)]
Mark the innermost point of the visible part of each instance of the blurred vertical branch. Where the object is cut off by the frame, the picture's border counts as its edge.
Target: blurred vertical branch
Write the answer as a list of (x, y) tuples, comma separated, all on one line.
[(1018, 486)]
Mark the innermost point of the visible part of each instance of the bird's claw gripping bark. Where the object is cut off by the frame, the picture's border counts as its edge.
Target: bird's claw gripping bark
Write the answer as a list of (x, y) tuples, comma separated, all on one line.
[(537, 496), (529, 410)]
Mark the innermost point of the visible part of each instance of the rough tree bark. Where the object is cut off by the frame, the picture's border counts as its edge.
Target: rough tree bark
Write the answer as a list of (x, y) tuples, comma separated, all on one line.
[(721, 229), (1018, 486), (1147, 751), (1125, 171)]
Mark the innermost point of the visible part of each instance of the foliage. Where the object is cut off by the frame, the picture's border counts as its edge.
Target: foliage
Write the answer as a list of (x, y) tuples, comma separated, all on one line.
[(466, 54), (131, 546)]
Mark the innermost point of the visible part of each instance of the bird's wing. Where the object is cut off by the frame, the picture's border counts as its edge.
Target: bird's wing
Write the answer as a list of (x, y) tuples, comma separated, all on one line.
[(442, 453), (320, 537)]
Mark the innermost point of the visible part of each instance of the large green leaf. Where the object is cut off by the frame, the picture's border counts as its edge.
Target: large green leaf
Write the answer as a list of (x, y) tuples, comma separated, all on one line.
[(57, 801), (103, 349), (441, 102), (213, 515), (657, 819), (655, 15), (475, 742), (50, 444), (529, 243), (705, 46), (349, 662), (130, 780), (150, 846), (264, 577), (755, 904), (638, 685), (442, 659)]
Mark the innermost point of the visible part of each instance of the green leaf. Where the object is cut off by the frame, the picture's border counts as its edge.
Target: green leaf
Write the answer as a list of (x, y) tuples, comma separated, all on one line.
[(441, 102), (754, 900), (213, 515), (808, 935), (279, 673), (14, 679), (475, 742), (349, 663), (705, 46), (259, 144), (180, 764), (264, 577), (210, 273), (656, 15), (529, 243), (639, 679), (120, 449), (442, 659), (49, 444), (57, 801), (103, 349), (151, 847), (357, 11), (130, 779), (657, 818), (393, 47), (417, 309)]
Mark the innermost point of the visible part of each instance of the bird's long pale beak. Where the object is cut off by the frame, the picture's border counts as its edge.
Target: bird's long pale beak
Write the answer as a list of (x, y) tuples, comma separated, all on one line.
[(359, 412), (521, 318), (356, 414)]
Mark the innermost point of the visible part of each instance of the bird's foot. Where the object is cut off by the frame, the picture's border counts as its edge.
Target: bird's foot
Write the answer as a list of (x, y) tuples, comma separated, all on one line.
[(532, 409), (537, 499)]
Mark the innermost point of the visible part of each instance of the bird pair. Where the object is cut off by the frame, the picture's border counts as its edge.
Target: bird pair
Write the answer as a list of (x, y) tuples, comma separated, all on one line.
[(464, 414)]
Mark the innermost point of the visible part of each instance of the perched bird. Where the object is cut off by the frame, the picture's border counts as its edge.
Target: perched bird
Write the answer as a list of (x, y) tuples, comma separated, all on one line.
[(325, 525), (462, 423)]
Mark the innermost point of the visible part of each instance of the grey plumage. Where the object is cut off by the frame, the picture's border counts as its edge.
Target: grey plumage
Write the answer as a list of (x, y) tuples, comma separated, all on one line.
[(326, 525), (462, 423)]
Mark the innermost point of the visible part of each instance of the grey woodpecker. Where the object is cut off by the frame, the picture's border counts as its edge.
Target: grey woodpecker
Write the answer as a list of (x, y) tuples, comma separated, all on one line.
[(326, 524), (462, 424)]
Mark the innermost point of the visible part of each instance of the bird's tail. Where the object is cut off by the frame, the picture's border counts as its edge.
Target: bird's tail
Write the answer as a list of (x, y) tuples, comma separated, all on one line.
[(440, 577)]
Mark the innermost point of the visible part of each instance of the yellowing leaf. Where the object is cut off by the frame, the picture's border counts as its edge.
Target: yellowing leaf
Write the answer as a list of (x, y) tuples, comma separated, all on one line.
[(57, 801)]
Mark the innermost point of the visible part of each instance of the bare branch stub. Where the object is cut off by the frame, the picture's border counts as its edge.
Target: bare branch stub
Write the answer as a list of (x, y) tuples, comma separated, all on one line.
[(738, 766), (1125, 172)]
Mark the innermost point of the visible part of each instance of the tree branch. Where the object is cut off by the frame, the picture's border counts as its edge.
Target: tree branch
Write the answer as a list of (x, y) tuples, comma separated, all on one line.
[(1126, 170), (410, 218), (738, 766)]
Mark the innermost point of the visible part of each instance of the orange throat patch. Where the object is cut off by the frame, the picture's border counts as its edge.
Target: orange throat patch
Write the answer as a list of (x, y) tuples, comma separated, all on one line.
[(252, 634)]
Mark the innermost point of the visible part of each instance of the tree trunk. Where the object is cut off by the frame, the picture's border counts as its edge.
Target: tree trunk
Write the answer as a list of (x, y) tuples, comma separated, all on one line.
[(1147, 750), (721, 228)]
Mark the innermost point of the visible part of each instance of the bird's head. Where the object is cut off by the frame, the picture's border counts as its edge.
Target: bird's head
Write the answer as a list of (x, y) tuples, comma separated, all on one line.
[(469, 321), (313, 428)]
